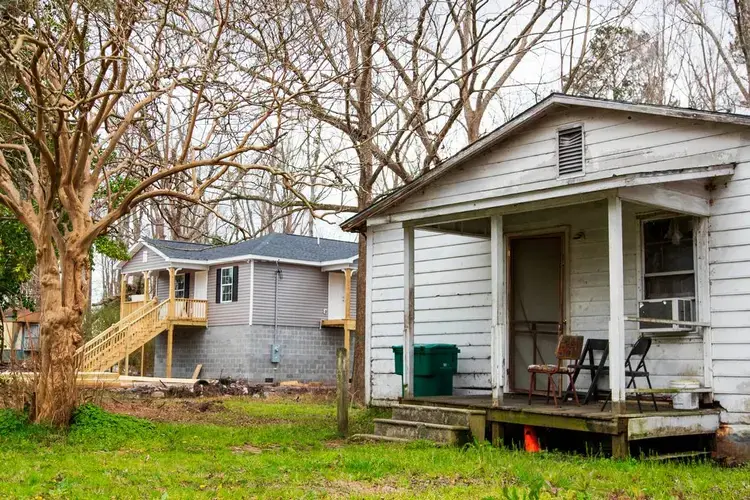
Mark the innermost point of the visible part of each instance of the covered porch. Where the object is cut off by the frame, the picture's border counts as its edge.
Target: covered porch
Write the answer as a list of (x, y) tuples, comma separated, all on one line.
[(177, 294), (591, 265)]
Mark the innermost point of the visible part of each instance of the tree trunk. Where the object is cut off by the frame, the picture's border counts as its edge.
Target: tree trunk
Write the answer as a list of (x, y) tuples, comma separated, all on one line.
[(63, 300), (358, 368)]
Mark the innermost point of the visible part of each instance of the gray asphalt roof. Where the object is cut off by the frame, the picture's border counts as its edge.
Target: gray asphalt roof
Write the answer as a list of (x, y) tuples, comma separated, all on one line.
[(277, 245)]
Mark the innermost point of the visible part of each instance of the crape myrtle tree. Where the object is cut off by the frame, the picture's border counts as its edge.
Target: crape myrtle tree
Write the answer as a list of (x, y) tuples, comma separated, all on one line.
[(101, 105)]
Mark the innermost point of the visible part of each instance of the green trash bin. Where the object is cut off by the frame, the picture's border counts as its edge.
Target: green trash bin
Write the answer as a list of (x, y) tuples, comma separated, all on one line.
[(434, 367)]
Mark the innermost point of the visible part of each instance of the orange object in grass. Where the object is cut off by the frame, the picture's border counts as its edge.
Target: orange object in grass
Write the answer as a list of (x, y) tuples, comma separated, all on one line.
[(530, 440)]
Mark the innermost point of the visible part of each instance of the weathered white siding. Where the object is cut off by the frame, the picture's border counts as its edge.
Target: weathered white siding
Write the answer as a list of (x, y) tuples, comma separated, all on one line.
[(453, 296), (615, 142), (729, 269), (136, 264), (452, 299)]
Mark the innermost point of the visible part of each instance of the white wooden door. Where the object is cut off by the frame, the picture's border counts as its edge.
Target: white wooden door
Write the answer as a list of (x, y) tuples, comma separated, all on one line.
[(201, 285), (335, 295)]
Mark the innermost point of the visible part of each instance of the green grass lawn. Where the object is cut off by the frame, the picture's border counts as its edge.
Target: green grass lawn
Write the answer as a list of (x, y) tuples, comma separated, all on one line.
[(287, 449)]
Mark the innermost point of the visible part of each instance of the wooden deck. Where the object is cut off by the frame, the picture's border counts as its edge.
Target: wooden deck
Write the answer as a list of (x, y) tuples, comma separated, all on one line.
[(624, 428)]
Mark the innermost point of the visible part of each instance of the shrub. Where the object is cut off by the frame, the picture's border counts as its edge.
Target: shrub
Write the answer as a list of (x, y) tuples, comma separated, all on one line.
[(92, 423), (12, 421)]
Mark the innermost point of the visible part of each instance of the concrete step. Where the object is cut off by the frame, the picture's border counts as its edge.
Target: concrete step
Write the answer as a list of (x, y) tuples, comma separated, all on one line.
[(359, 438), (475, 420), (439, 433), (436, 414)]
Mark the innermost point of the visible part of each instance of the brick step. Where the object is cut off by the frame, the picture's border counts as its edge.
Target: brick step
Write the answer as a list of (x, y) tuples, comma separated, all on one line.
[(439, 433)]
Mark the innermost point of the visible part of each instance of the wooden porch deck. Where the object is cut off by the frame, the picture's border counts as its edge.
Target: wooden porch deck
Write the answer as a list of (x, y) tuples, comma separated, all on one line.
[(623, 428)]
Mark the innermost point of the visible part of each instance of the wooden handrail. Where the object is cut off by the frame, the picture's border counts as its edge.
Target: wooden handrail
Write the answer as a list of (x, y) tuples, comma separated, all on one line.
[(135, 329), (113, 343)]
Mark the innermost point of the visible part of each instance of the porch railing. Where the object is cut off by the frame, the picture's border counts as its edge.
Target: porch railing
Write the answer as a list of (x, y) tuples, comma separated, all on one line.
[(190, 309), (129, 308)]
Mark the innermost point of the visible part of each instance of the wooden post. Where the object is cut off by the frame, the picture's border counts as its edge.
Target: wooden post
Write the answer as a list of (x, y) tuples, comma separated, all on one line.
[(146, 291), (143, 359), (171, 292), (408, 377), (498, 334), (620, 446), (170, 335), (347, 306), (127, 356), (616, 306), (342, 391), (123, 294), (498, 433)]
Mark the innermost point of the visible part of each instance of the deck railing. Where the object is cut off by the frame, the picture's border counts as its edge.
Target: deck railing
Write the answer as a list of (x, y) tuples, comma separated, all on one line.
[(118, 340), (194, 309), (129, 308)]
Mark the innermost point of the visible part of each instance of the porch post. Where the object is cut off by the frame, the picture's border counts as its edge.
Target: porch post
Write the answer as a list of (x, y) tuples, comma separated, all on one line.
[(171, 292), (347, 305), (616, 306), (408, 380), (146, 291), (123, 293), (498, 334)]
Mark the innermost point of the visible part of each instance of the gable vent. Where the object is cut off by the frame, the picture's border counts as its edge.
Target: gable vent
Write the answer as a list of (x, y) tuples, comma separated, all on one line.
[(570, 151)]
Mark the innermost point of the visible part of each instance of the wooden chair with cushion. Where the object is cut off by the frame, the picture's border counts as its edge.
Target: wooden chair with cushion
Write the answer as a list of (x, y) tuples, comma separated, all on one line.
[(569, 348)]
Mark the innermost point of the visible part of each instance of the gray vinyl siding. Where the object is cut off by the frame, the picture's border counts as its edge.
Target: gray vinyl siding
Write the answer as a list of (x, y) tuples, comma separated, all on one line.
[(302, 295), (136, 264), (162, 285), (230, 313)]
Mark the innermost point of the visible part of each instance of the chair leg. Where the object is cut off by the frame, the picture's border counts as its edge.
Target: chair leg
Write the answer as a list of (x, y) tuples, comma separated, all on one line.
[(554, 388), (573, 387), (653, 396), (532, 384)]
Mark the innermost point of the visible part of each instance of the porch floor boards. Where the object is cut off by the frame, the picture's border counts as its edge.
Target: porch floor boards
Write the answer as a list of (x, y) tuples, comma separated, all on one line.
[(630, 425), (520, 403)]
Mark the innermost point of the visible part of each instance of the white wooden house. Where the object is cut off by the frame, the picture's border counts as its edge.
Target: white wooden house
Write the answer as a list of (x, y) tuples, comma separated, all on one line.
[(578, 216)]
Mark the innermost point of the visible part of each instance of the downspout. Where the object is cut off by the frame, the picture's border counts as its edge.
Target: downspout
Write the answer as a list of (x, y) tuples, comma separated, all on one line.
[(275, 347), (277, 275)]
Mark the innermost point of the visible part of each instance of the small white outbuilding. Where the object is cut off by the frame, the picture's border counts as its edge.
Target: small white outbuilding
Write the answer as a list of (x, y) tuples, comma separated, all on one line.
[(578, 216)]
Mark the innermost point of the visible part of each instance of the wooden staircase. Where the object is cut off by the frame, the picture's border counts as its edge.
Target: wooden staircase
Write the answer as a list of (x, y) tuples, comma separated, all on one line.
[(124, 337)]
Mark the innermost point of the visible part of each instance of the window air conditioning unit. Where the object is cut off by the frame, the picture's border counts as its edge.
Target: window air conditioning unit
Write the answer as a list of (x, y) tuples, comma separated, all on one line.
[(665, 311)]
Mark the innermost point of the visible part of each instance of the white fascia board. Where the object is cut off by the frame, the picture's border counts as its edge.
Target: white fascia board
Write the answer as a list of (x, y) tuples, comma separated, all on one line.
[(239, 258), (339, 267), (510, 203)]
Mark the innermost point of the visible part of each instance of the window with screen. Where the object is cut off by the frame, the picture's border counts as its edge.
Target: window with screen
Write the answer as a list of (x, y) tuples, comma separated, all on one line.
[(668, 273)]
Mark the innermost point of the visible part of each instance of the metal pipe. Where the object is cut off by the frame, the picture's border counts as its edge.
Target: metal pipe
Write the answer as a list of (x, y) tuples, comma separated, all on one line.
[(277, 276)]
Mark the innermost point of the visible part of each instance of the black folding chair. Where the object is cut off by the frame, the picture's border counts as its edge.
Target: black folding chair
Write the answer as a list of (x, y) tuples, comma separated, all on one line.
[(640, 350), (590, 350)]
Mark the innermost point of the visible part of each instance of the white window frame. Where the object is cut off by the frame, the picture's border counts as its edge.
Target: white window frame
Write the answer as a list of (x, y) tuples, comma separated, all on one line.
[(230, 285), (641, 277)]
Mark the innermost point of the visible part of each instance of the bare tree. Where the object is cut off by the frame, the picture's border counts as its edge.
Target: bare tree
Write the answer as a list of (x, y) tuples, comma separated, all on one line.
[(726, 27), (77, 80)]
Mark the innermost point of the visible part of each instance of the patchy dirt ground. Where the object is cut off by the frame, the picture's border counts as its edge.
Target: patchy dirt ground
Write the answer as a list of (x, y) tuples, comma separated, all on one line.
[(221, 410)]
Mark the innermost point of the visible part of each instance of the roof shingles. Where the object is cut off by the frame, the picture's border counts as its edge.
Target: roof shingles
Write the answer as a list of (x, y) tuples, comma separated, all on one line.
[(274, 246)]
